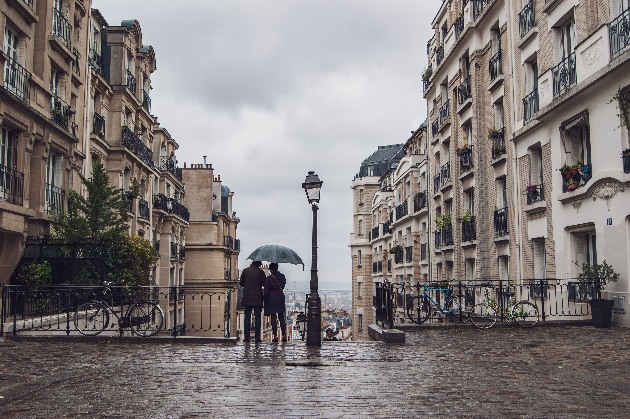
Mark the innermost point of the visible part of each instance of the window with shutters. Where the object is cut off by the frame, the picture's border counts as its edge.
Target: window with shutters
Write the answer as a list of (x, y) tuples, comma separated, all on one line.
[(583, 249), (54, 194), (577, 168)]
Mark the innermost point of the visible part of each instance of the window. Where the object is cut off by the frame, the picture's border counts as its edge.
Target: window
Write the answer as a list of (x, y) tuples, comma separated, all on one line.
[(359, 293), (54, 193), (503, 268), (566, 34), (539, 259), (359, 259), (469, 201), (360, 321), (531, 76), (499, 121), (54, 82), (360, 227), (470, 269), (501, 193), (448, 270), (576, 140), (360, 196), (535, 166), (584, 249), (8, 149)]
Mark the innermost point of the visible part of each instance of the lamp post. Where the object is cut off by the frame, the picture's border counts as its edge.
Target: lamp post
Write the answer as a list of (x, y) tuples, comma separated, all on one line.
[(312, 186)]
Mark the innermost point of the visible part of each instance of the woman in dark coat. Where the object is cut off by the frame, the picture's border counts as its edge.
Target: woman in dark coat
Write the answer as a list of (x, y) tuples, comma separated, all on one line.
[(274, 301)]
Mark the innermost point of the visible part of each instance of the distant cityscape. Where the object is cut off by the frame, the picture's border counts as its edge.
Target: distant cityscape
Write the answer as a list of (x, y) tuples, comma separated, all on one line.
[(331, 299)]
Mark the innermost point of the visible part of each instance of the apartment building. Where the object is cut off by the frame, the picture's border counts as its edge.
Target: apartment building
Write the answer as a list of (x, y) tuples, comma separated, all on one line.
[(468, 92), (366, 191), (572, 69)]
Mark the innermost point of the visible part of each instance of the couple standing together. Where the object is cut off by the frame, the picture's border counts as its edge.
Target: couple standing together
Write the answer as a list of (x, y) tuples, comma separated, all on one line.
[(259, 291)]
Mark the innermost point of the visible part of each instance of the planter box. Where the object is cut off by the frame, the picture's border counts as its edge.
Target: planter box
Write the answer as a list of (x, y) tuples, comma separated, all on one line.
[(602, 313)]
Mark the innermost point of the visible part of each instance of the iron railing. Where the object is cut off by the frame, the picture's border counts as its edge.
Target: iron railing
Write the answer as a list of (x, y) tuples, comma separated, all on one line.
[(535, 193), (375, 233), (54, 200), (228, 241), (98, 125), (179, 209), (31, 310), (11, 185), (530, 105), (469, 232), (439, 55), (445, 113), (527, 18), (564, 75), (401, 210), (478, 6), (619, 33), (498, 143), (445, 174), (447, 235), (435, 127), (136, 146), (95, 60), (143, 208), (170, 164), (459, 26), (419, 201), (17, 79), (465, 159), (495, 66), (131, 82), (60, 111), (61, 28), (463, 91), (501, 222)]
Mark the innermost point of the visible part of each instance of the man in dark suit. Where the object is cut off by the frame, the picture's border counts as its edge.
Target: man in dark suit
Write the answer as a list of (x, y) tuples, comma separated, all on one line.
[(252, 281)]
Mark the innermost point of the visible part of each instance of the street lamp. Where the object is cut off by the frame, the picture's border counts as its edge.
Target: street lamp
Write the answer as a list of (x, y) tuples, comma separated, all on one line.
[(312, 186)]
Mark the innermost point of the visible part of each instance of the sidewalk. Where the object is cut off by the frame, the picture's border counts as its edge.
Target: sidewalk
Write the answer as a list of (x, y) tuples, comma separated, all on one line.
[(570, 372)]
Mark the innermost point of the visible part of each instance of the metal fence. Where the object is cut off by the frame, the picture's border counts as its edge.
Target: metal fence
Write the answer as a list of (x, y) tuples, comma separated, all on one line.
[(556, 299), (50, 310)]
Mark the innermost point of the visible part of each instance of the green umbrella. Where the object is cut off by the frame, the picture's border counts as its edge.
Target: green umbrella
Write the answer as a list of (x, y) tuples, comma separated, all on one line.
[(276, 253)]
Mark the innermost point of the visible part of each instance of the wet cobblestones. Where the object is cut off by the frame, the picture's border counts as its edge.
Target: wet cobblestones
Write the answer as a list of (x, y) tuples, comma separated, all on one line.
[(551, 372)]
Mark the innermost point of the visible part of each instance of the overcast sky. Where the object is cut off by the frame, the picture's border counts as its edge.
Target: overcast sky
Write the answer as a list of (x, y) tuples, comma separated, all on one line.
[(269, 90)]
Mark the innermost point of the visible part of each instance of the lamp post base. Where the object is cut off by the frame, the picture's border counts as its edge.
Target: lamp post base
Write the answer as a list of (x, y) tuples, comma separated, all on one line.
[(314, 329)]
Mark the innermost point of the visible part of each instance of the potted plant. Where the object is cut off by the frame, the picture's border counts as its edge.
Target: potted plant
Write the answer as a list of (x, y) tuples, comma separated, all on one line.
[(565, 171), (426, 74), (443, 221), (467, 217), (571, 184), (594, 277), (396, 249), (493, 133)]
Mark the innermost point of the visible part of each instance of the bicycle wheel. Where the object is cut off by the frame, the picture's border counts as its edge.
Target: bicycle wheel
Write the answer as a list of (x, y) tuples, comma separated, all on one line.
[(525, 314), (91, 318), (145, 318), (458, 308), (483, 316)]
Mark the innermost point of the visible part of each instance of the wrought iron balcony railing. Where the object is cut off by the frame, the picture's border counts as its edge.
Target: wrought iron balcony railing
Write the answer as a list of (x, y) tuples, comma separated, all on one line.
[(401, 210), (11, 185), (465, 159), (459, 26), (61, 28), (408, 253), (169, 164), (419, 201), (143, 209), (439, 55), (60, 112), (136, 146), (445, 113), (98, 125), (469, 232), (445, 174), (535, 193), (501, 222), (498, 143), (619, 33), (160, 201), (530, 105), (375, 233), (17, 79), (527, 18), (463, 91), (146, 101), (387, 227), (179, 209), (54, 199), (95, 60), (564, 75), (626, 160), (447, 235), (478, 6), (495, 66), (131, 82), (228, 241)]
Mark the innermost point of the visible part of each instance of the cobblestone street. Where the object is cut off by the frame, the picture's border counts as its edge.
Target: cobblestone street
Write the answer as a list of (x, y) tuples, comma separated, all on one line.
[(458, 372)]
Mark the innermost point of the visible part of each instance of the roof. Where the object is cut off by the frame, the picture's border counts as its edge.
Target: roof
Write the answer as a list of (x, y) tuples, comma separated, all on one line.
[(381, 160)]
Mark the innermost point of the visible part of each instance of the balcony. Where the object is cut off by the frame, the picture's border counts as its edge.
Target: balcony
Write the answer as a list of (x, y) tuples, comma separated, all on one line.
[(179, 209), (437, 239), (228, 241), (146, 101), (426, 77), (401, 210), (61, 28), (469, 232), (445, 174), (458, 26), (463, 91), (619, 34), (131, 82), (143, 209), (445, 114), (564, 75), (626, 160), (527, 18), (575, 176), (387, 227), (95, 60), (98, 125), (498, 143), (478, 6), (237, 244), (136, 146), (439, 55), (423, 251), (495, 66), (419, 201), (11, 185), (160, 201), (530, 105), (169, 164), (436, 183), (17, 80), (500, 222), (170, 205), (375, 233), (60, 112), (55, 198), (535, 193), (465, 159), (409, 254), (435, 127), (447, 235)]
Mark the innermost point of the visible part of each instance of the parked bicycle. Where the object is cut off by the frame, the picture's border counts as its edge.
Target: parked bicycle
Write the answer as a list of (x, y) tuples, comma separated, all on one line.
[(144, 317), (425, 307), (485, 314)]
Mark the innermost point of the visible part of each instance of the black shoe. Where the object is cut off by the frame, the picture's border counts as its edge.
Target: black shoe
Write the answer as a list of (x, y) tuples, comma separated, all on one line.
[(258, 340), (246, 340), (275, 339)]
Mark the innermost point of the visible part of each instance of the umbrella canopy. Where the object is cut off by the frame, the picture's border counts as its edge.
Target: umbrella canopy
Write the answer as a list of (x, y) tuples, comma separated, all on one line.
[(276, 253)]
